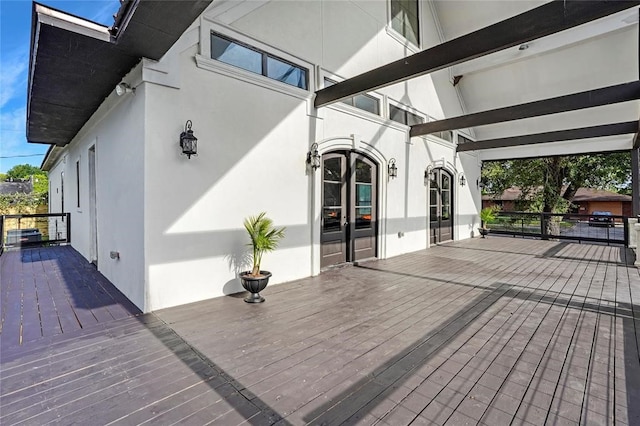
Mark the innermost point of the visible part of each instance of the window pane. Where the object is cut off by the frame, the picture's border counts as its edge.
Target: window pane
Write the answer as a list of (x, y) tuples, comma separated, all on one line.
[(332, 194), (332, 169), (413, 119), (367, 103), (234, 54), (363, 172), (445, 213), (433, 197), (445, 182), (433, 214), (445, 197), (404, 19), (363, 194), (331, 219), (397, 114), (363, 217), (287, 73)]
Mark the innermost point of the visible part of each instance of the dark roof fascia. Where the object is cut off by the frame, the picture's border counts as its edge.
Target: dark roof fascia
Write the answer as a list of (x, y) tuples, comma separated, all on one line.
[(58, 109)]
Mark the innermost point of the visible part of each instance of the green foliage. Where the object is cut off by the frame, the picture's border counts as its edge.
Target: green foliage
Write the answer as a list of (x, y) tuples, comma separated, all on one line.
[(21, 203), (264, 238), (23, 171), (543, 180), (488, 215), (3, 177)]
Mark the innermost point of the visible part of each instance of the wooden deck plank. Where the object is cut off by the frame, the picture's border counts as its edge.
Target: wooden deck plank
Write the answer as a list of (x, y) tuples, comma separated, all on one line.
[(477, 331)]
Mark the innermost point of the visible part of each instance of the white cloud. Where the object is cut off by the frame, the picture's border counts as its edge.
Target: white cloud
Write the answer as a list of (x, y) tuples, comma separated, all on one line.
[(13, 77)]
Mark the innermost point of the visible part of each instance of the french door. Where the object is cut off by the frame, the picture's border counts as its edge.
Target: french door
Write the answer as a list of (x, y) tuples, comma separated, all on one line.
[(349, 208), (440, 206)]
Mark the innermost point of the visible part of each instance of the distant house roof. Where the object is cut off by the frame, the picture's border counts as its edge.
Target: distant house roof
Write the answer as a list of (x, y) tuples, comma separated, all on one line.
[(582, 195), (509, 194), (18, 186), (589, 194)]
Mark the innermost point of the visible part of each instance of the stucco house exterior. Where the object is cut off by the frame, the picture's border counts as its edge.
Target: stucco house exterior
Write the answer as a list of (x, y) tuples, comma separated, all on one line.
[(166, 228)]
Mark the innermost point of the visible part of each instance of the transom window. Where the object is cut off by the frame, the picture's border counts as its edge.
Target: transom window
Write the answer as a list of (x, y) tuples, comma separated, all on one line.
[(364, 102), (232, 52), (404, 19), (463, 139), (403, 116)]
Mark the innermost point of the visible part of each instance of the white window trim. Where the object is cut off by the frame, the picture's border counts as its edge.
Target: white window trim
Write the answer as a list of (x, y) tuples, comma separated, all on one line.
[(352, 110), (407, 108), (399, 37), (205, 61)]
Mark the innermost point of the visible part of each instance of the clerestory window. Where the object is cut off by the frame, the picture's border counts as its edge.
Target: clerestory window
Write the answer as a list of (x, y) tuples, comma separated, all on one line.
[(404, 19), (403, 116), (232, 52), (363, 101)]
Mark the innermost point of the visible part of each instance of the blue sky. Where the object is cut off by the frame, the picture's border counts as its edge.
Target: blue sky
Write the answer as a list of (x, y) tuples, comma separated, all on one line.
[(15, 34)]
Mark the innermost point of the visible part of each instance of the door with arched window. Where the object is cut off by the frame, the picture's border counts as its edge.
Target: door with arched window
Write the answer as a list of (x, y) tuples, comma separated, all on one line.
[(440, 206), (349, 208)]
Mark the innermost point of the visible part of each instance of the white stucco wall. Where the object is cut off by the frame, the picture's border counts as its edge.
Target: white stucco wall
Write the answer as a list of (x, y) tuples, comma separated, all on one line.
[(116, 133), (253, 137)]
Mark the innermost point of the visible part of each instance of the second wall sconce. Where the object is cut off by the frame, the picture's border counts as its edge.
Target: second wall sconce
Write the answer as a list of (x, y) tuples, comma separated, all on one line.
[(313, 157), (188, 141), (463, 181), (393, 170)]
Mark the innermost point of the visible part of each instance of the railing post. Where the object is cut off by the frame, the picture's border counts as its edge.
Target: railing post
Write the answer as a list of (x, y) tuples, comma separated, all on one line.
[(543, 226), (625, 222), (1, 234), (68, 215)]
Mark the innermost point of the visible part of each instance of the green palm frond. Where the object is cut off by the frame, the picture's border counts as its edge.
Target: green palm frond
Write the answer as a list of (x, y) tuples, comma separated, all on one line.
[(264, 237)]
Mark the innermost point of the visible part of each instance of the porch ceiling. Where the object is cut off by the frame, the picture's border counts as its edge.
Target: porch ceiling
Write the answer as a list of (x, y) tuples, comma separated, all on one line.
[(504, 54), (76, 63)]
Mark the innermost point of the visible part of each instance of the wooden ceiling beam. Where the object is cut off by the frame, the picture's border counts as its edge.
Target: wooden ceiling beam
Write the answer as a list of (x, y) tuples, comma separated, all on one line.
[(557, 136), (576, 101), (550, 18)]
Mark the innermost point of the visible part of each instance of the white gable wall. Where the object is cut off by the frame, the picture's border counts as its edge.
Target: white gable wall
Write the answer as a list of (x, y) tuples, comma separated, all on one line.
[(253, 137)]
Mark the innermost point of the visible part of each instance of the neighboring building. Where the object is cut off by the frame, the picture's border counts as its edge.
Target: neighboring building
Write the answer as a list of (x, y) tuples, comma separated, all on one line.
[(511, 200), (587, 201), (167, 229), (17, 186)]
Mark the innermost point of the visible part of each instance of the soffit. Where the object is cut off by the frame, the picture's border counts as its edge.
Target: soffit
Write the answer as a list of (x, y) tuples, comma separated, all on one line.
[(75, 63)]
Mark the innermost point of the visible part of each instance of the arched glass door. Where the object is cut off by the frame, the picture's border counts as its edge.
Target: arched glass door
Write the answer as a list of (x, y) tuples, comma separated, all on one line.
[(349, 208), (440, 206)]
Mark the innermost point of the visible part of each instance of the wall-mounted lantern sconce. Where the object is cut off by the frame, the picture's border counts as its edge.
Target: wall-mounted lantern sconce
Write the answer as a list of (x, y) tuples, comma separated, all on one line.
[(123, 88), (428, 175), (393, 170), (188, 142), (479, 183), (313, 158), (463, 181)]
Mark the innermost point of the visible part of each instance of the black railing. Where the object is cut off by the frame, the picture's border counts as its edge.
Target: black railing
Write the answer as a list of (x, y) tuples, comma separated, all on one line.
[(25, 230), (610, 229)]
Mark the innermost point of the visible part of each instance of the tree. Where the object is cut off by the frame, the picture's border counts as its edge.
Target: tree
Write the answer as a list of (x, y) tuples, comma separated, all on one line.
[(553, 181), (25, 171)]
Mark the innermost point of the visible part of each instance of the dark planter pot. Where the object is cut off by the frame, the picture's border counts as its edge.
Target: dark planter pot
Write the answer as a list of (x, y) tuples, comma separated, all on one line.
[(483, 231), (254, 285)]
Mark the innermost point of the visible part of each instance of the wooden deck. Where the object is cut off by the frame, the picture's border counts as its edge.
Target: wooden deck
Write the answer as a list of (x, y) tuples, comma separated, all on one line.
[(494, 332)]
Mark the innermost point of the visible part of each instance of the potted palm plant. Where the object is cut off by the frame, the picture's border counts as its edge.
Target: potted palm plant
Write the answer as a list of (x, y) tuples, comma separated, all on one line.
[(264, 238), (487, 216)]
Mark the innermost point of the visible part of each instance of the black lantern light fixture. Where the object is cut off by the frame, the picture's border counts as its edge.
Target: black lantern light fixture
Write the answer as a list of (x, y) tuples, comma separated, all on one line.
[(393, 170), (463, 181), (313, 158), (428, 174), (188, 142)]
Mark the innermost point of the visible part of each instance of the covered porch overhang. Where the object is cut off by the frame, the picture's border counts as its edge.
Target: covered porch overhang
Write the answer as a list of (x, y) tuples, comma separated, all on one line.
[(534, 78)]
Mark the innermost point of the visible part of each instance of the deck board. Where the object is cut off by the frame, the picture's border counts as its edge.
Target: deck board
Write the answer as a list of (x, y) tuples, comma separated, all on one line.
[(486, 332)]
